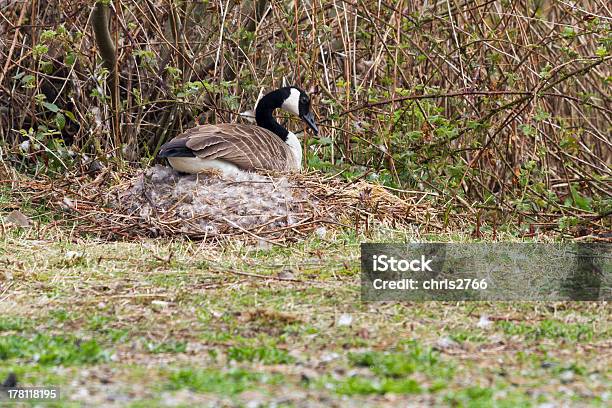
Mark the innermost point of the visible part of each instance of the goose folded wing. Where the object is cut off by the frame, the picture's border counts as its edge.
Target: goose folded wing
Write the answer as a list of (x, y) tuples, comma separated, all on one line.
[(247, 146)]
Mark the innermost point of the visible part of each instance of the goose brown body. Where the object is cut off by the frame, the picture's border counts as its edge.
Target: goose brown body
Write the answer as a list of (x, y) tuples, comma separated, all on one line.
[(248, 147), (234, 147)]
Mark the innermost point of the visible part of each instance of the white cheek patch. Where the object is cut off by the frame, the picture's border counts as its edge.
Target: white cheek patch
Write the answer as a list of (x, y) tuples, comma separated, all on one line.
[(292, 103)]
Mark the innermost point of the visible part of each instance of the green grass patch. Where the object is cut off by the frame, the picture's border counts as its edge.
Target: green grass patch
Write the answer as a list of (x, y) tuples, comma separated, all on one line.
[(549, 329), (462, 336), (166, 347), (392, 371), (265, 355), (366, 386), (209, 380), (98, 322), (59, 315), (481, 397), (52, 350), (116, 335), (400, 364), (471, 397), (12, 324)]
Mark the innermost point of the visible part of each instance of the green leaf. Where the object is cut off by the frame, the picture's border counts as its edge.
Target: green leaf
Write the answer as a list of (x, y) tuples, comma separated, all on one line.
[(580, 201), (28, 80), (541, 115), (46, 66), (601, 52), (39, 49), (568, 32), (527, 130), (47, 35), (70, 116), (51, 106), (60, 120), (70, 58)]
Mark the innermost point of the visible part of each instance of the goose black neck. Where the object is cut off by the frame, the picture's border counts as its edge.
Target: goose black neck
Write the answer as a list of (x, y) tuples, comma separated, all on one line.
[(265, 107)]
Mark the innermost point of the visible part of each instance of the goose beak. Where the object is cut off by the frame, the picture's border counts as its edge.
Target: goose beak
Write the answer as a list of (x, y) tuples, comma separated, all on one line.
[(309, 119)]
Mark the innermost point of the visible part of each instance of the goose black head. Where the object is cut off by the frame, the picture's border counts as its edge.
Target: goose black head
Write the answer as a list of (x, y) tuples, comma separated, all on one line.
[(298, 102), (290, 98)]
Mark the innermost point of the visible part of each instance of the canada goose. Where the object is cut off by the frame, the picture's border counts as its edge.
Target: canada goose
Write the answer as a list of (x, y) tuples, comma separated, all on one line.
[(232, 147)]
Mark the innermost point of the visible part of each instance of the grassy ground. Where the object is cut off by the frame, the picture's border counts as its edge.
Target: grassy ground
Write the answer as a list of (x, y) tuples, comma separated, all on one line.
[(160, 323)]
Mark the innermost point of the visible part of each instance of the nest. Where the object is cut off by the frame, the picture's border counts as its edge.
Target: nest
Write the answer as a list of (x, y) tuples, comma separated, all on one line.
[(265, 206), (209, 204), (159, 202)]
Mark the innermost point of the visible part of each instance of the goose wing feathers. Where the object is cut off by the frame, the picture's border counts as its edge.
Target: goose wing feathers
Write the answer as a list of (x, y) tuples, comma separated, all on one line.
[(249, 147)]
